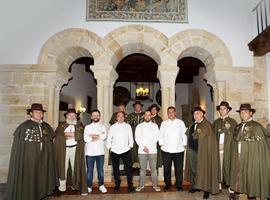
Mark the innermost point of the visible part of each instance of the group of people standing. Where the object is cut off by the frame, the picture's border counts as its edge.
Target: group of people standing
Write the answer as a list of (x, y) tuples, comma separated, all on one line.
[(218, 155)]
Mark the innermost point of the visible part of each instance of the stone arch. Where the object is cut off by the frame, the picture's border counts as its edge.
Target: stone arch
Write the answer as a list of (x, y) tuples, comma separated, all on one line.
[(66, 46), (134, 39), (203, 39), (207, 47)]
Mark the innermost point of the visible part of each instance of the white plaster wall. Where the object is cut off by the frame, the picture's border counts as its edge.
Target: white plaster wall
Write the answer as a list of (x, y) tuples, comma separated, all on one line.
[(26, 25), (81, 86)]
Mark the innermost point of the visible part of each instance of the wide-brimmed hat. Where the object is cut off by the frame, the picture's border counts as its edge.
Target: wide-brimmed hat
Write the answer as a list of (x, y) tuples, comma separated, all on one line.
[(197, 108), (154, 106), (224, 103), (71, 110), (35, 106), (246, 106), (138, 102)]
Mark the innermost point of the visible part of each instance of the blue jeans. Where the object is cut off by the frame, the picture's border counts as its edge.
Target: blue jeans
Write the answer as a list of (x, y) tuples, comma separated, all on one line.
[(90, 162)]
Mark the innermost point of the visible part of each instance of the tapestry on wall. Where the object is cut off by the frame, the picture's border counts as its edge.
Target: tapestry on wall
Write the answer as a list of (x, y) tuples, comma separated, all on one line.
[(137, 10)]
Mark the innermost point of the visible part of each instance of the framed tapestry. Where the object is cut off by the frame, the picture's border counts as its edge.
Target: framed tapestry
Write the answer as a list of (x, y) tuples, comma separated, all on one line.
[(137, 10)]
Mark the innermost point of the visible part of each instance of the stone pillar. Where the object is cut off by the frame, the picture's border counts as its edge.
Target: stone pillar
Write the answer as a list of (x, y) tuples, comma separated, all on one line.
[(105, 80), (167, 77), (51, 102), (260, 87), (268, 83), (55, 83), (219, 95)]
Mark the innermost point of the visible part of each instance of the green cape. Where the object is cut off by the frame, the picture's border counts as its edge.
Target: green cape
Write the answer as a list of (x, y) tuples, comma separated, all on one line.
[(225, 126), (250, 172), (207, 173), (79, 176), (32, 174)]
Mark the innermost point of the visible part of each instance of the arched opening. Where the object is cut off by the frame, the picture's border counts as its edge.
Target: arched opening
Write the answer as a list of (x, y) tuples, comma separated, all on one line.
[(80, 92), (137, 71), (137, 79), (192, 89)]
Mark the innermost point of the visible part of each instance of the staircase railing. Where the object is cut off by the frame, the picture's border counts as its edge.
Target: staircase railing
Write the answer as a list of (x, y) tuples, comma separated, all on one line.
[(262, 10)]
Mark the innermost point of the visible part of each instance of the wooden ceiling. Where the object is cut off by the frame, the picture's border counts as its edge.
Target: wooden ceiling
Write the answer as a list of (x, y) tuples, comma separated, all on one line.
[(142, 68)]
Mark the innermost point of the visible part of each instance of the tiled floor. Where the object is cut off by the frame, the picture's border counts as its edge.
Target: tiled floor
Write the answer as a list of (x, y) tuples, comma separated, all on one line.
[(146, 195)]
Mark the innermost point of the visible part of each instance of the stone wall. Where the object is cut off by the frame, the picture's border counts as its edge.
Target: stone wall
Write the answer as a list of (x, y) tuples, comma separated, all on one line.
[(20, 86)]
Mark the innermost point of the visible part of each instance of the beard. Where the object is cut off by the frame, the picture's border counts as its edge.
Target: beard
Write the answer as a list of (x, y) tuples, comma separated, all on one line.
[(71, 122), (95, 120)]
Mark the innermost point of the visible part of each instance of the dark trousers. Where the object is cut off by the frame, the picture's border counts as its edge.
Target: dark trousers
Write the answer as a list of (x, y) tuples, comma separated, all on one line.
[(177, 159), (193, 165), (127, 160)]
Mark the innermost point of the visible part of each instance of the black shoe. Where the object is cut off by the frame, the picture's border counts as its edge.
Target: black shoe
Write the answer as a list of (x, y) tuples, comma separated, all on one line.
[(58, 193), (206, 195), (116, 189), (193, 190), (166, 188), (131, 189), (179, 188)]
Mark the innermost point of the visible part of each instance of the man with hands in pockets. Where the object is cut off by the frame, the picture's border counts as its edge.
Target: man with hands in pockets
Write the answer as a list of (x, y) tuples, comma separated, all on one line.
[(146, 136)]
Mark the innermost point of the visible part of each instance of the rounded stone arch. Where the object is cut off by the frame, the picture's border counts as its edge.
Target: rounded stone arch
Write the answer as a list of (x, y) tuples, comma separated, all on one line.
[(66, 46), (203, 39), (133, 39), (207, 47)]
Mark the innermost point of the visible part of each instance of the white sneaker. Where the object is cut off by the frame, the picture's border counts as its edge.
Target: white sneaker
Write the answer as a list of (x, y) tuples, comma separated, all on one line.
[(156, 188), (84, 194), (89, 189), (102, 189), (138, 189)]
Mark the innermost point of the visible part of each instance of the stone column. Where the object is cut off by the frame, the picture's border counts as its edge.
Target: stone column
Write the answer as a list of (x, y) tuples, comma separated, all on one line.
[(268, 83), (260, 88), (219, 95), (51, 103), (105, 81), (55, 82), (167, 77)]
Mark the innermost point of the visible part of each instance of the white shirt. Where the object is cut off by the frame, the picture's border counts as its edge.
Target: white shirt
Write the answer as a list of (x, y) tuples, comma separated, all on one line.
[(146, 135), (222, 136), (172, 138), (94, 148), (120, 138), (71, 129)]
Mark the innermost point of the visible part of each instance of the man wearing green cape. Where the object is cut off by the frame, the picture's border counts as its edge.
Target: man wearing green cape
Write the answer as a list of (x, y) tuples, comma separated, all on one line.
[(134, 119), (69, 147), (32, 174), (202, 166), (250, 172), (223, 128)]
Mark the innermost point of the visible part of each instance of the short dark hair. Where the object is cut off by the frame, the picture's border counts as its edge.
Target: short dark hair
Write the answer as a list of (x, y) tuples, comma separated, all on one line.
[(147, 111), (95, 110), (120, 112), (171, 107)]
